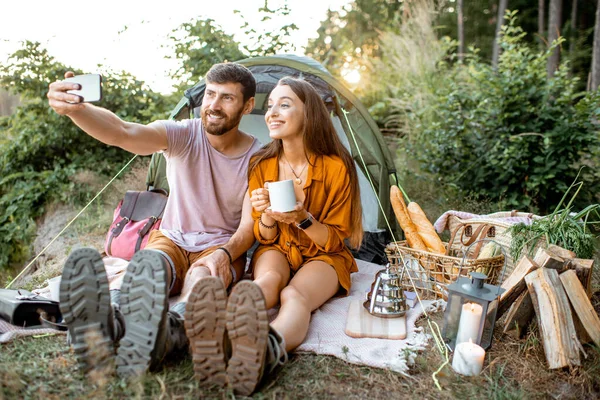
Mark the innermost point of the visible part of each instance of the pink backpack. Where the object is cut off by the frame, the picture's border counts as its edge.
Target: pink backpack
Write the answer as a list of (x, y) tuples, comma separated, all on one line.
[(135, 217)]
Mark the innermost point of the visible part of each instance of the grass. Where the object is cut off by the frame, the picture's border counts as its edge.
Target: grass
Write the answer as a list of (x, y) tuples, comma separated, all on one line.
[(45, 367)]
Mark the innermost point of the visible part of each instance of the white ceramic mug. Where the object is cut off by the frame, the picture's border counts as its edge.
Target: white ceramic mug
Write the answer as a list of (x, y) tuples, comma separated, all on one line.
[(54, 284), (282, 196)]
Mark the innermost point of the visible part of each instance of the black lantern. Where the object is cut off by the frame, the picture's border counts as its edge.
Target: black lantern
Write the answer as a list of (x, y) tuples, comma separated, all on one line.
[(471, 311)]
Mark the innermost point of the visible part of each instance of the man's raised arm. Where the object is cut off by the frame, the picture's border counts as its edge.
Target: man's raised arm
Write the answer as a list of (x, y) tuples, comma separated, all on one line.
[(103, 124)]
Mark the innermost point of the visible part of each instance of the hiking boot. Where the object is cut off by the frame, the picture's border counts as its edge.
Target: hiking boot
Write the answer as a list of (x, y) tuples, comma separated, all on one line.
[(86, 309), (276, 354), (256, 347), (205, 318), (144, 306)]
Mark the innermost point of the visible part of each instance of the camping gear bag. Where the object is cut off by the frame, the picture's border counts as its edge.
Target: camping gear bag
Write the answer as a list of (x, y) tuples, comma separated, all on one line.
[(136, 215), (23, 308), (430, 273)]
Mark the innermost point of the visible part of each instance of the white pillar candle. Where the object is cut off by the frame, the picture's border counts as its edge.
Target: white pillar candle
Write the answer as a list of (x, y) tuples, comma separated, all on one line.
[(468, 326), (468, 359)]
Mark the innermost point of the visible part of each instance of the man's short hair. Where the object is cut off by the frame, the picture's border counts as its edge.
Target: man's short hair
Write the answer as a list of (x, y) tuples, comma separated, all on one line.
[(236, 73)]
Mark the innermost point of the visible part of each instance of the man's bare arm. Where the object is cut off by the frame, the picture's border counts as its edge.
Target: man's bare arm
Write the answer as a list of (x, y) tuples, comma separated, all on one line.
[(243, 238), (103, 124)]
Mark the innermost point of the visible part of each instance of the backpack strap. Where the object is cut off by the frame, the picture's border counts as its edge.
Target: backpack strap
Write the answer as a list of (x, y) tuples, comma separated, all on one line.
[(144, 231)]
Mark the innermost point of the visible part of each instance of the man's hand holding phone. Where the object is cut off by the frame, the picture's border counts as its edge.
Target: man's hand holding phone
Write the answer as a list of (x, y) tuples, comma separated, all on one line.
[(67, 96)]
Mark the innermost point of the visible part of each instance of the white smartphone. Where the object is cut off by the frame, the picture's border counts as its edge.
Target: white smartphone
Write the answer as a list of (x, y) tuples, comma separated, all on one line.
[(91, 87)]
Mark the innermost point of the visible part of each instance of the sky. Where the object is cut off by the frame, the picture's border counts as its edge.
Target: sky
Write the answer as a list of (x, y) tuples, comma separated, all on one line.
[(128, 34)]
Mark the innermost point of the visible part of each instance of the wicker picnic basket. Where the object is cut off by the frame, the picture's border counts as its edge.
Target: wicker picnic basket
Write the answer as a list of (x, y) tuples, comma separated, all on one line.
[(430, 273), (494, 226)]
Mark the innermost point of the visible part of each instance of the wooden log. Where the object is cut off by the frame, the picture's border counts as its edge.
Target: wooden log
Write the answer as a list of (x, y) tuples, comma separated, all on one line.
[(555, 320), (550, 259), (582, 334), (514, 284), (519, 316), (581, 304), (583, 268), (558, 251)]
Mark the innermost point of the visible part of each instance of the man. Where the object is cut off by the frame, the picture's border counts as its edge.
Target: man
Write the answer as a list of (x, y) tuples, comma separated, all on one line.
[(205, 231)]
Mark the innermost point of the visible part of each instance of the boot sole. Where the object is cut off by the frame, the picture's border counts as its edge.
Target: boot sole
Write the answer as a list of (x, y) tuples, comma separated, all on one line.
[(248, 329), (144, 308), (86, 309), (205, 316)]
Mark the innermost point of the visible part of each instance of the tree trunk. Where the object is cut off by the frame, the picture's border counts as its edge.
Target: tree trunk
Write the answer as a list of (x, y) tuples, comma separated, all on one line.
[(554, 22), (461, 31), (573, 37), (541, 21), (502, 5), (596, 52)]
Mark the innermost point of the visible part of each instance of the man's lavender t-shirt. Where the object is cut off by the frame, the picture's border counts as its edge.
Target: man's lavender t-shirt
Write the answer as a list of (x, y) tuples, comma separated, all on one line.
[(207, 188)]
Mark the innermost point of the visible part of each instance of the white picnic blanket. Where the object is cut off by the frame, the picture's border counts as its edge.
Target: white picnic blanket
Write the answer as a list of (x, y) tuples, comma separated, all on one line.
[(326, 332)]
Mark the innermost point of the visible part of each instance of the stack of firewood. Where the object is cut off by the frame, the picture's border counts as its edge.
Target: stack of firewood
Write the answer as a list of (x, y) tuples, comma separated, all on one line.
[(555, 288)]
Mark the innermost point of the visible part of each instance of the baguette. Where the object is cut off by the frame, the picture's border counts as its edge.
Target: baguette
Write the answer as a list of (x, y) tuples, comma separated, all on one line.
[(425, 229), (410, 230)]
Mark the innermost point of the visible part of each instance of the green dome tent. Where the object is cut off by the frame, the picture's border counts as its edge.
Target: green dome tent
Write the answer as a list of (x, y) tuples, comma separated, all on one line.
[(356, 128)]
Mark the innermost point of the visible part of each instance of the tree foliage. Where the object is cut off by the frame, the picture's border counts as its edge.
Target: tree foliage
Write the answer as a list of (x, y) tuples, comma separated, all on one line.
[(349, 38), (198, 45), (40, 151), (272, 40), (201, 43)]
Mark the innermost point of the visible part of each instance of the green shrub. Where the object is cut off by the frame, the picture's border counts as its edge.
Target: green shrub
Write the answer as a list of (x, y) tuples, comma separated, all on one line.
[(41, 151), (510, 135)]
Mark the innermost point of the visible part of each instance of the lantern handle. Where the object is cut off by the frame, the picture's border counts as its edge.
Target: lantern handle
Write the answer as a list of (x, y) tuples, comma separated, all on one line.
[(466, 252)]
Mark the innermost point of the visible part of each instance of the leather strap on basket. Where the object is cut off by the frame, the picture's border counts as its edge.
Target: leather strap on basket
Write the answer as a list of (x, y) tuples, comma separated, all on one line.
[(482, 231)]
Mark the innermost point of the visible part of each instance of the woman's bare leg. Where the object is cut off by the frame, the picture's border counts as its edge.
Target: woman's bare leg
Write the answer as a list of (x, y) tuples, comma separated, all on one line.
[(314, 284), (191, 278), (271, 274)]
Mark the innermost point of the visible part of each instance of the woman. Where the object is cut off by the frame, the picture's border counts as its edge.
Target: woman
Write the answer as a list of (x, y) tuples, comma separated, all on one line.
[(302, 260)]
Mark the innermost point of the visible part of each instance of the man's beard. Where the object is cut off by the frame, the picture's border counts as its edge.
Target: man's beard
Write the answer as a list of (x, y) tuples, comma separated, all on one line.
[(222, 126)]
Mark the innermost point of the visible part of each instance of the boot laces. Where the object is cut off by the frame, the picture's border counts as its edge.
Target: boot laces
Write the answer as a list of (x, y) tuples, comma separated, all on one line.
[(277, 356)]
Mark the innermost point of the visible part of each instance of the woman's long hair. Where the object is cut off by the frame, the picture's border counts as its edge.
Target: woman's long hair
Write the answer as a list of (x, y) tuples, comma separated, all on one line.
[(320, 138)]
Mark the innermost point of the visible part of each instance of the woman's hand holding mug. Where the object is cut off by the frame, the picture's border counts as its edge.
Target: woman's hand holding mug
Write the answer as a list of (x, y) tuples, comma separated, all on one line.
[(295, 216), (260, 199)]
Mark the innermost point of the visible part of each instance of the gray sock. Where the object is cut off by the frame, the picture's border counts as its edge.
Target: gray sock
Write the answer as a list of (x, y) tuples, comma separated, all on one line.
[(179, 308), (115, 296)]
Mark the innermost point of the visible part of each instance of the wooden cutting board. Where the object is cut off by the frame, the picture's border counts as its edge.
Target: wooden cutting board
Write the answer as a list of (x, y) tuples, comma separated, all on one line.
[(361, 324)]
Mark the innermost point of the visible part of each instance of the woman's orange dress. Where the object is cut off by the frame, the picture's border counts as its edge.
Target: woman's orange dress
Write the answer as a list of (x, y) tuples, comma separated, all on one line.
[(328, 199)]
